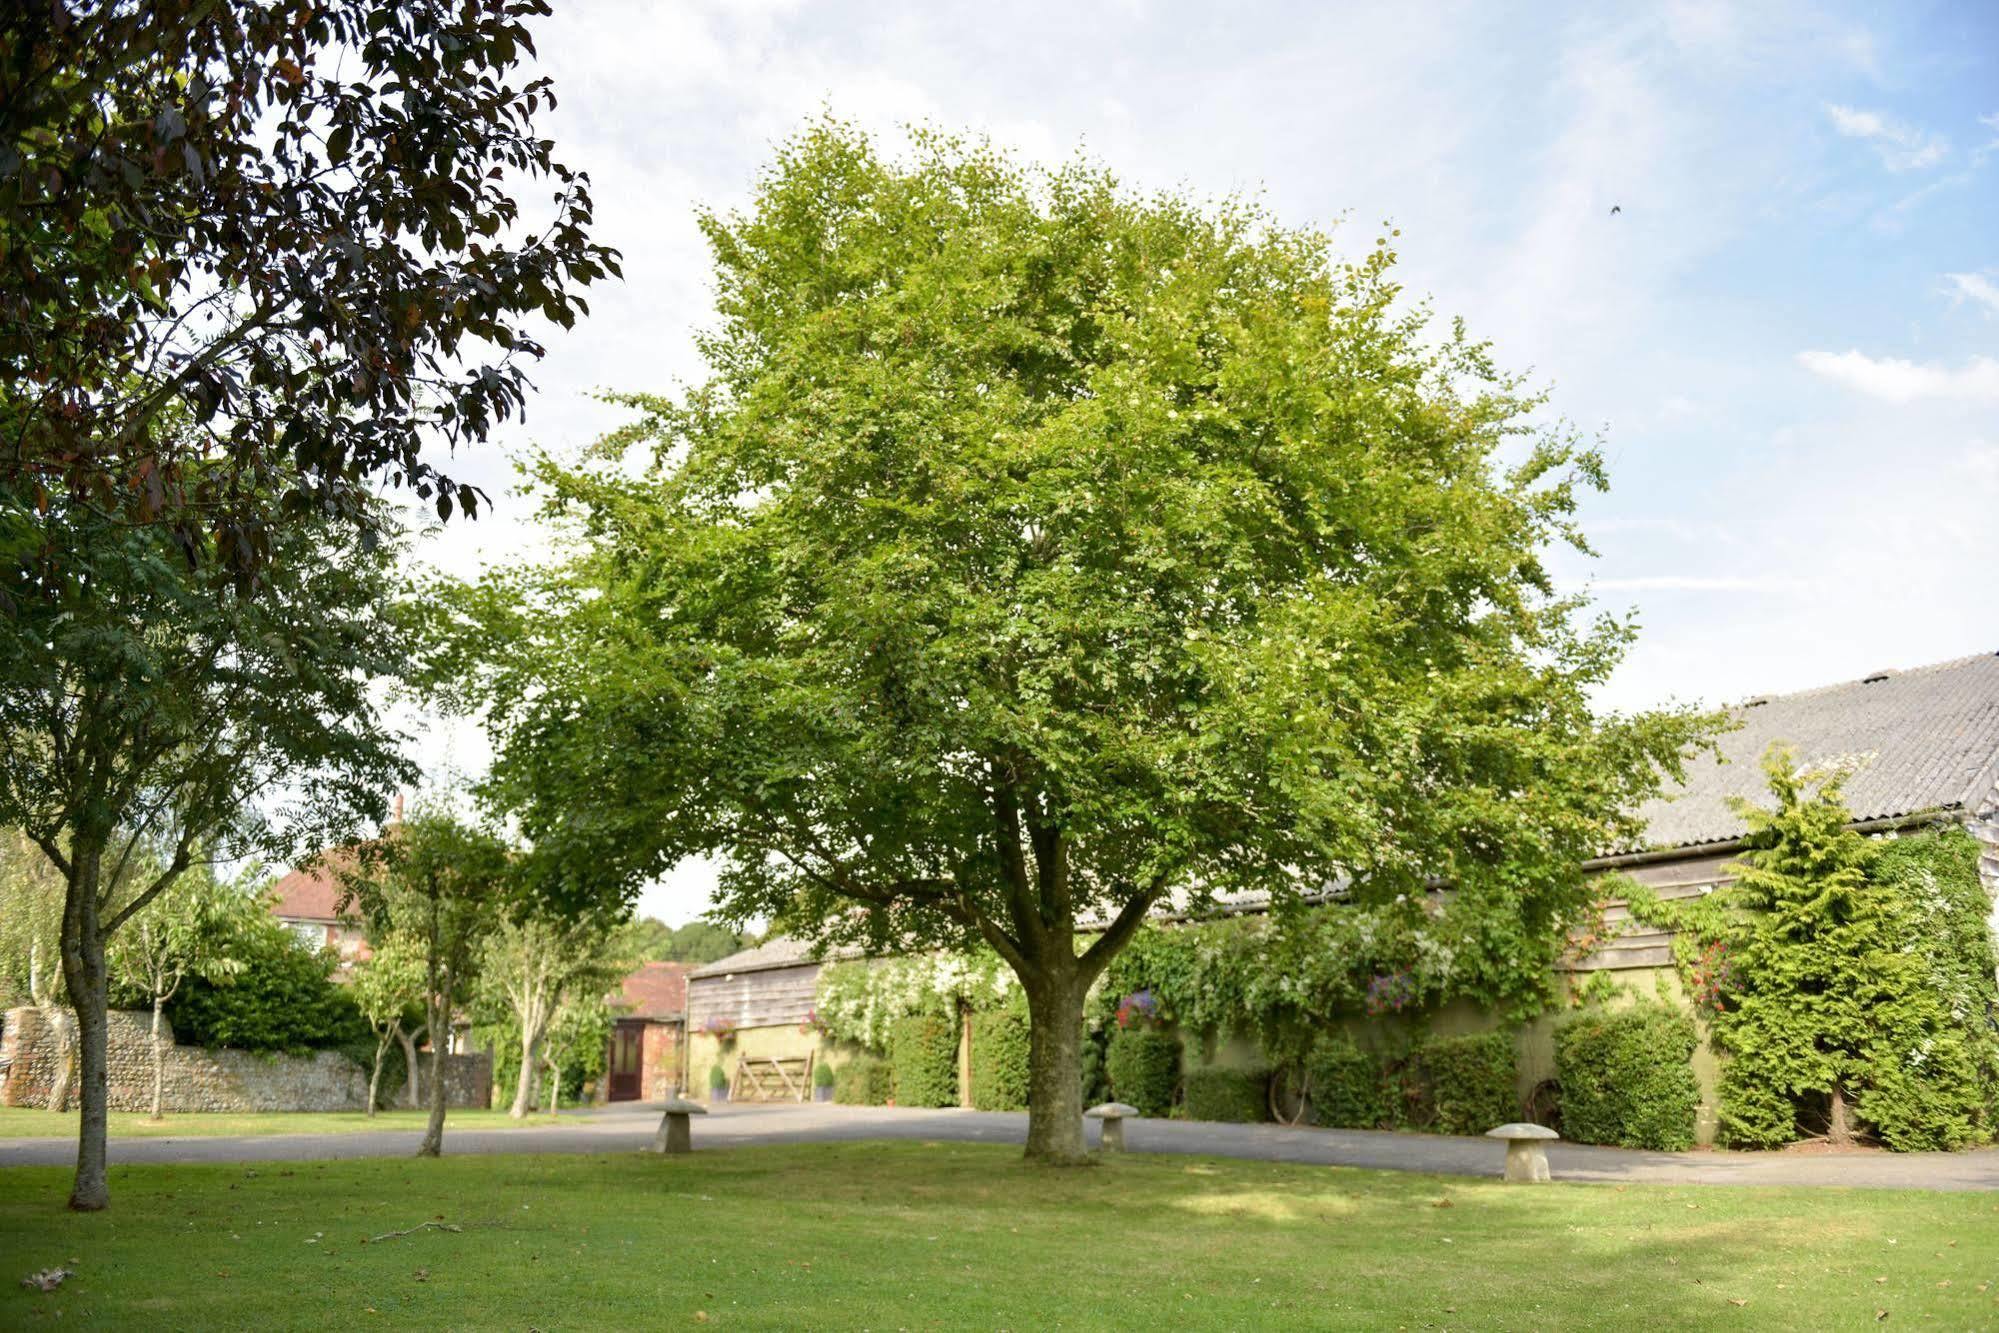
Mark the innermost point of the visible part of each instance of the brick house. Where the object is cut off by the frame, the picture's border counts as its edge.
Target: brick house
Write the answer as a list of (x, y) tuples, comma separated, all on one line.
[(306, 902), (647, 1059)]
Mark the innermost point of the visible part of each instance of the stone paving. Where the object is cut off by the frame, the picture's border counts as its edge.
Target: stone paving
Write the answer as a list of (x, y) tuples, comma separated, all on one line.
[(630, 1128)]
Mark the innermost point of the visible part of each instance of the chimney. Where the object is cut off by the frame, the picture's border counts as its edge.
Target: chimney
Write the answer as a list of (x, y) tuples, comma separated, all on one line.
[(396, 812)]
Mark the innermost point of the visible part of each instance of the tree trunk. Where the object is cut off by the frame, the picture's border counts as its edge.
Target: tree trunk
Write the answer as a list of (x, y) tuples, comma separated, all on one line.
[(83, 970), (530, 1046), (412, 1097), (1838, 1131), (1055, 1069), (433, 1132), (554, 1089), (389, 1034), (159, 1060)]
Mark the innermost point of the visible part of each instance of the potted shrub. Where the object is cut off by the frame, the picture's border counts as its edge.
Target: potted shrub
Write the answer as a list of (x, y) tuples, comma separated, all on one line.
[(718, 1084), (822, 1082)]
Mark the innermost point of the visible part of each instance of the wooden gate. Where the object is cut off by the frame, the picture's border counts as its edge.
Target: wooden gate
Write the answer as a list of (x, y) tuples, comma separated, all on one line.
[(766, 1079)]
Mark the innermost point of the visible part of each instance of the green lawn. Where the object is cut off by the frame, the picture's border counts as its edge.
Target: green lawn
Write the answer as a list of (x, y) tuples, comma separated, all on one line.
[(21, 1123), (959, 1235)]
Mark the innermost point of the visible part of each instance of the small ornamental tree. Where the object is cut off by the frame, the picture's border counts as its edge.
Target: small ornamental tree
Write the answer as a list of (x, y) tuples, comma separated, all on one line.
[(387, 987), (1039, 551), (441, 884), (184, 932), (535, 962), (1839, 988), (149, 702)]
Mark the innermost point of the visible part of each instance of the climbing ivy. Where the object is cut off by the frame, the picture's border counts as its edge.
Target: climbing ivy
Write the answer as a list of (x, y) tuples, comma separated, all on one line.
[(1843, 979), (859, 1001), (1284, 978)]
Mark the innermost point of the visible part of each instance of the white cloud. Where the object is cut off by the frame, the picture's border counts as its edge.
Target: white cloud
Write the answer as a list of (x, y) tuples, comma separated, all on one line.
[(1974, 287), (1981, 460), (1897, 380), (1901, 147)]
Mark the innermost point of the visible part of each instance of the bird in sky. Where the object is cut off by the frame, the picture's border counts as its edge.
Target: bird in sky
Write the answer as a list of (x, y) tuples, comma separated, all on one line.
[(1615, 209)]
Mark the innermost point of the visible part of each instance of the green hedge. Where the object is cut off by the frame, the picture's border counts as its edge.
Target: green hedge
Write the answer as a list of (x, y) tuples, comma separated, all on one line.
[(1627, 1078), (284, 999), (1462, 1085), (1445, 1085), (999, 1059), (1144, 1069), (924, 1050), (1240, 1096), (864, 1081), (1350, 1087)]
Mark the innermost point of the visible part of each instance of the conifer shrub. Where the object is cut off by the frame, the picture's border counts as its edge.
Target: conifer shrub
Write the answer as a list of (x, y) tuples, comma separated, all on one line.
[(1846, 983)]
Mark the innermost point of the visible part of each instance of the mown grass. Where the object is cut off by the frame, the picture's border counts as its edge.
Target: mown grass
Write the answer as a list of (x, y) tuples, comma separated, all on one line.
[(17, 1122), (916, 1235)]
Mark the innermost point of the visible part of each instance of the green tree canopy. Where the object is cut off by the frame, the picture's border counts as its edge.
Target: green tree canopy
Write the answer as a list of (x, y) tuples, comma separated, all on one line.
[(292, 223), (153, 711), (1038, 550)]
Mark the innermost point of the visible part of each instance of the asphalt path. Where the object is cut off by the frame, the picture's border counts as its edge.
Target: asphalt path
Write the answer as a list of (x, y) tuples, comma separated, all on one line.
[(629, 1128)]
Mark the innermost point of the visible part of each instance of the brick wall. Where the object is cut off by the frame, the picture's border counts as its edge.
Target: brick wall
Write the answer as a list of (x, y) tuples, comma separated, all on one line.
[(197, 1079)]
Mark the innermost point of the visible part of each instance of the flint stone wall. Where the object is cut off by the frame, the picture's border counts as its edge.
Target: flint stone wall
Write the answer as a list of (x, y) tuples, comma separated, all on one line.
[(198, 1079)]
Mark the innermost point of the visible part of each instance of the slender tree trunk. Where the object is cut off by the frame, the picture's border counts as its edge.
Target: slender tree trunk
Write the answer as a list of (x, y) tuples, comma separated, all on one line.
[(1838, 1131), (433, 1132), (412, 1097), (532, 1026), (1055, 1068), (389, 1034), (554, 1089), (159, 1060), (84, 972)]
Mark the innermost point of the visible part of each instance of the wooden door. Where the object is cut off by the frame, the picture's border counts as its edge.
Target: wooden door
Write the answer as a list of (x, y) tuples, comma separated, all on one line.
[(627, 1044)]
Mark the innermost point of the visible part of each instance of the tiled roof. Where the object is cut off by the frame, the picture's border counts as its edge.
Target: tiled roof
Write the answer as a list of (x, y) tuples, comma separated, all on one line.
[(1922, 739), (655, 990), (311, 893), (779, 951)]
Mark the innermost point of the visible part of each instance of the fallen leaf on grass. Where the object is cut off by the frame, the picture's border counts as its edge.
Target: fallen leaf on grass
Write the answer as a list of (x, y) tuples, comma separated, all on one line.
[(1443, 1203), (1732, 1300), (48, 1279), (1879, 1315)]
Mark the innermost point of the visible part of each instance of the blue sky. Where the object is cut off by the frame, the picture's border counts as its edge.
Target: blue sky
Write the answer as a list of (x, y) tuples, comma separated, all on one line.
[(1788, 337)]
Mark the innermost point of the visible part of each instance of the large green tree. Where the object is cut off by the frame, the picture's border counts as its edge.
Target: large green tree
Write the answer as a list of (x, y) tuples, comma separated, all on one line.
[(296, 224), (152, 712), (1039, 552)]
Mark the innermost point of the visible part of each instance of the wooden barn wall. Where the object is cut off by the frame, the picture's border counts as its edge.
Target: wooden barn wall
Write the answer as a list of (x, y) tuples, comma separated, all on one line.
[(753, 999), (1637, 945)]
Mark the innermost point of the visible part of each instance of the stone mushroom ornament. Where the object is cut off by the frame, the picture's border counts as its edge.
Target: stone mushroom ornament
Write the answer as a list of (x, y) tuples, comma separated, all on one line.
[(1526, 1150), (675, 1134), (1112, 1114)]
